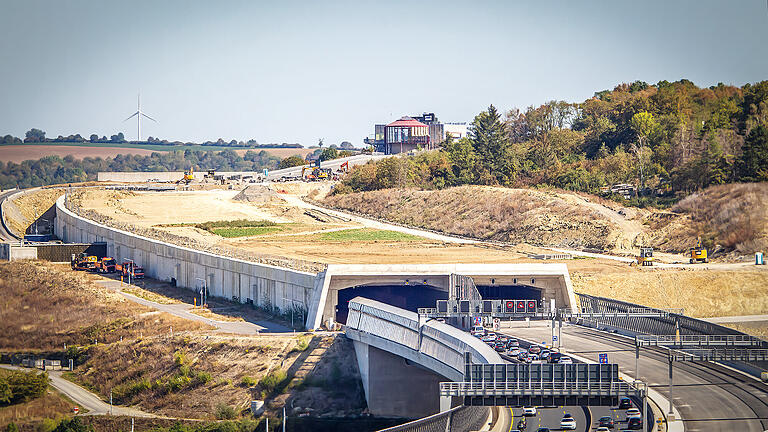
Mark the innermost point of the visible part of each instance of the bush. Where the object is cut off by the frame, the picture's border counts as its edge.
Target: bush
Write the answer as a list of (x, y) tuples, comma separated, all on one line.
[(124, 392), (301, 345), (225, 412), (72, 425), (273, 380), (18, 386), (202, 378), (248, 381)]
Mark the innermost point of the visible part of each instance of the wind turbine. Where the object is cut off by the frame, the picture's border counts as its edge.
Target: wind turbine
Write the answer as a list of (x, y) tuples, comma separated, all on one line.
[(138, 114)]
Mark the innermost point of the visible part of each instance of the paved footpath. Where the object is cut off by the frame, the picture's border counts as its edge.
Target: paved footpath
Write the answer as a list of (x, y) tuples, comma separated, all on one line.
[(85, 398), (182, 310)]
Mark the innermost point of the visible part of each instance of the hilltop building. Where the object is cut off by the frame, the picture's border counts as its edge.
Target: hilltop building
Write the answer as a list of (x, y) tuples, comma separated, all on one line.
[(411, 133)]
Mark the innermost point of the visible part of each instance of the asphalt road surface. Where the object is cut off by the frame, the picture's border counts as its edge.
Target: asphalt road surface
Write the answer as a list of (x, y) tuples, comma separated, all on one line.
[(6, 235), (91, 402), (709, 397)]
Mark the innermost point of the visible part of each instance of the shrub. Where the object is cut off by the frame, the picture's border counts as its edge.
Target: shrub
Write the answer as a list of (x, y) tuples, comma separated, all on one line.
[(18, 386), (301, 345), (202, 378), (273, 380), (248, 381), (72, 425), (225, 412)]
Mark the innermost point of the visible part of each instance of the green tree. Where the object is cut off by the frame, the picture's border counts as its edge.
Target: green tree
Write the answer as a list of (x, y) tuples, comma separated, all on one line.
[(752, 165), (6, 394), (35, 135), (73, 425), (329, 153), (493, 146), (643, 124), (291, 161), (11, 427)]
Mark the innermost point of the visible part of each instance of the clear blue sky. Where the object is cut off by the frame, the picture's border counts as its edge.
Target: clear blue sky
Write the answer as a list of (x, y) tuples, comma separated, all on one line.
[(290, 71)]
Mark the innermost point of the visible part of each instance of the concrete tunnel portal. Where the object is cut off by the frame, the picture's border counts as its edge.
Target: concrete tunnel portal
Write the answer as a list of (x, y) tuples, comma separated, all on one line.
[(414, 296)]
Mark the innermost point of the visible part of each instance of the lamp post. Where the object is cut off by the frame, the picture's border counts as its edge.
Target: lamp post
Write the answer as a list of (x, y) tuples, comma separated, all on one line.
[(130, 273), (203, 291)]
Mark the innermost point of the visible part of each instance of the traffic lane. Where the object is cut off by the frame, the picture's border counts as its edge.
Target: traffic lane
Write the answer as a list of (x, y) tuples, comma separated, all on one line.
[(549, 417), (694, 396)]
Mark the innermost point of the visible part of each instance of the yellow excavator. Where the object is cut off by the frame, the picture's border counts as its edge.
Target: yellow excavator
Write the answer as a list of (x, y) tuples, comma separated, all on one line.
[(698, 254), (189, 176)]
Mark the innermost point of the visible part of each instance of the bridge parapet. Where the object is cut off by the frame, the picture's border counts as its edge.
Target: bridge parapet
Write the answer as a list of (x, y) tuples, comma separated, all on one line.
[(383, 325)]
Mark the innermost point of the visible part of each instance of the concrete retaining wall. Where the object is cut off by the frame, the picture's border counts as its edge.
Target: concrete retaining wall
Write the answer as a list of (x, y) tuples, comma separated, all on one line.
[(12, 252), (230, 278)]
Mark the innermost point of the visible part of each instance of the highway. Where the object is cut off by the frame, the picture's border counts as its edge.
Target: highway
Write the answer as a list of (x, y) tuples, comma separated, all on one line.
[(709, 397)]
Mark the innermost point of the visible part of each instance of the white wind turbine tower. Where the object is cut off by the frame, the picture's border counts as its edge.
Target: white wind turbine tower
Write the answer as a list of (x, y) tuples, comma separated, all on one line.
[(138, 114)]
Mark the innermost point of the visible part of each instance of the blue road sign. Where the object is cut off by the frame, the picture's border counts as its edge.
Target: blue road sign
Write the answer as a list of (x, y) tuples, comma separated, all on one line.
[(554, 338), (603, 358), (478, 320)]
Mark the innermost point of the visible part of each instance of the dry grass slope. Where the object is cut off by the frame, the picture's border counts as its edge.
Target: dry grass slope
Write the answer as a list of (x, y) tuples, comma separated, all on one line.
[(510, 215), (43, 306)]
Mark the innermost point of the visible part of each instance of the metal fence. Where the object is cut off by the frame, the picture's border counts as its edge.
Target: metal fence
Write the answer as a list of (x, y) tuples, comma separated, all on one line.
[(459, 419), (665, 324)]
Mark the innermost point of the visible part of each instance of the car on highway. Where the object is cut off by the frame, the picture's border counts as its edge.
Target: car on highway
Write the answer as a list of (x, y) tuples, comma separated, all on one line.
[(542, 429), (514, 352), (634, 413), (635, 423), (513, 343), (602, 429), (534, 349), (565, 360), (500, 347), (544, 354), (478, 331), (606, 422), (533, 356), (568, 422), (625, 403), (554, 357), (529, 411)]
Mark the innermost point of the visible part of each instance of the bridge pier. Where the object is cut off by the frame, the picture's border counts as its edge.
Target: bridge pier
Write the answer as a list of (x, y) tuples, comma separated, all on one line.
[(396, 387)]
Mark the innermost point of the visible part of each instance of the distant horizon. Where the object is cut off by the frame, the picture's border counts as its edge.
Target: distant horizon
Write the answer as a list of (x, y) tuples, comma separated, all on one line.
[(301, 71)]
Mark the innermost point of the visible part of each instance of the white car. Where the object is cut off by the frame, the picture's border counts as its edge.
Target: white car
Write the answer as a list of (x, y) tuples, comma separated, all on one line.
[(565, 360), (514, 352), (634, 413), (568, 423), (602, 429), (529, 411)]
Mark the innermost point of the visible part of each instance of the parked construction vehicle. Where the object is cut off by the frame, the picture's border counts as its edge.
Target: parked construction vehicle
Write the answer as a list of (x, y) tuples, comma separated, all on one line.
[(83, 261), (646, 256), (130, 268), (106, 265), (698, 254), (314, 172), (189, 176)]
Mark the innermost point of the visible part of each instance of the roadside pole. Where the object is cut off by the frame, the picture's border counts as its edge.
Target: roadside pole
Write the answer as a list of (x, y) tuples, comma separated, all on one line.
[(110, 401)]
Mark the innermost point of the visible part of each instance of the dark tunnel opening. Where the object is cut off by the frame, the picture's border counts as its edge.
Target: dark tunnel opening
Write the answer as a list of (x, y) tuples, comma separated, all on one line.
[(409, 297)]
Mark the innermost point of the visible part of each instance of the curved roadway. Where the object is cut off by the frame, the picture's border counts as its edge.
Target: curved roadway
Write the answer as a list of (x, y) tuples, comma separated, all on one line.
[(710, 397), (5, 234)]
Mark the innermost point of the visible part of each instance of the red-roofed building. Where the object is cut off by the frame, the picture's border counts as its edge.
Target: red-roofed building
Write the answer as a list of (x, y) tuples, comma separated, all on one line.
[(406, 134)]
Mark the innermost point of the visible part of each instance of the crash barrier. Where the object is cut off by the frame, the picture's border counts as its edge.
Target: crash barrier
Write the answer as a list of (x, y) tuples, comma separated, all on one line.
[(661, 325), (458, 419)]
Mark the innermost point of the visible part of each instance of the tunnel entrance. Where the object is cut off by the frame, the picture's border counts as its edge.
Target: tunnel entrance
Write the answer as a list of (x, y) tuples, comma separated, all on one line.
[(509, 292), (409, 297)]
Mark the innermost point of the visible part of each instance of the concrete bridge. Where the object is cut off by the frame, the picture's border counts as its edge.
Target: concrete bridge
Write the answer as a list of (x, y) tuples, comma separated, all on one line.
[(397, 354)]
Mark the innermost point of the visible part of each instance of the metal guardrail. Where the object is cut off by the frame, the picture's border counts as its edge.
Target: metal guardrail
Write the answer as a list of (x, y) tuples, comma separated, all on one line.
[(459, 419), (699, 340), (661, 325), (512, 388), (743, 355)]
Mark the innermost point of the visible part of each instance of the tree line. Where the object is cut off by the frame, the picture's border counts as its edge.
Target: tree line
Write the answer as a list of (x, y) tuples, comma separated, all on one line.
[(57, 170), (665, 139), (35, 135)]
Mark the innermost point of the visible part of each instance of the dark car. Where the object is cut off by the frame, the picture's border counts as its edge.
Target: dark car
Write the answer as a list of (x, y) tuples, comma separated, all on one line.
[(500, 347), (542, 430), (554, 357), (606, 422), (534, 349), (625, 403), (635, 423)]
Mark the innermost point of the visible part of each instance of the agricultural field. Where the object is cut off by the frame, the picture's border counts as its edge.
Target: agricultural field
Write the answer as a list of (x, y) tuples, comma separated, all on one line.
[(21, 152)]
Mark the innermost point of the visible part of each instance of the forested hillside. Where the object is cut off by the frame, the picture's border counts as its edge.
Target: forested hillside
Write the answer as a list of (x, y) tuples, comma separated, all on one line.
[(667, 140), (56, 170)]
